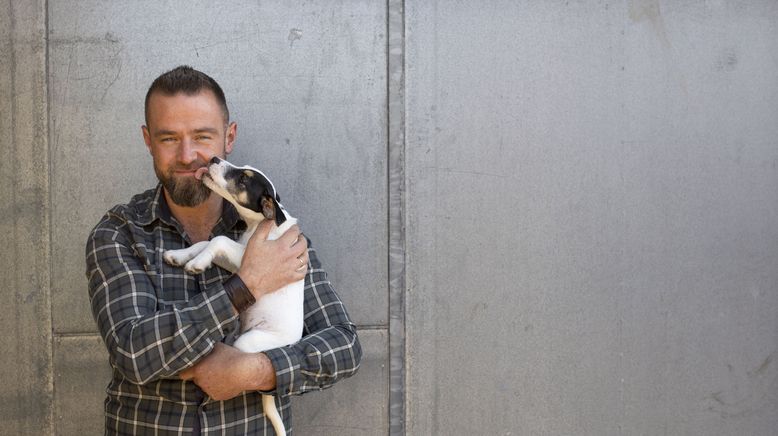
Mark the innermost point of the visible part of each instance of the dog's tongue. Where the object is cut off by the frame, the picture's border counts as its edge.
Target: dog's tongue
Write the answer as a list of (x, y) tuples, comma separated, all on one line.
[(200, 172)]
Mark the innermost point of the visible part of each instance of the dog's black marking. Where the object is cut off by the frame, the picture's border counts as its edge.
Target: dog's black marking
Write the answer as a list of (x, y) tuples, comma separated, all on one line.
[(254, 191)]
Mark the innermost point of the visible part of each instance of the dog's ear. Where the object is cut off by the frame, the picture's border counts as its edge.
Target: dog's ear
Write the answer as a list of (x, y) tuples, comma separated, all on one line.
[(272, 210), (280, 215)]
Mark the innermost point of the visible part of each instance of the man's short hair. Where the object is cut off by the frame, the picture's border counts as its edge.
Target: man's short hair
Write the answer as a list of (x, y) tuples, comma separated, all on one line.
[(185, 79)]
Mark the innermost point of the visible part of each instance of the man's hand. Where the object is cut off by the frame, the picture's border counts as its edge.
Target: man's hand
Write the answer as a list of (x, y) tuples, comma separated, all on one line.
[(227, 371), (270, 265)]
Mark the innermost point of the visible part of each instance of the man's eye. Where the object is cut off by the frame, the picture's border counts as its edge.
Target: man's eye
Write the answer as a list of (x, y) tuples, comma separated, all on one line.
[(203, 138), (168, 139)]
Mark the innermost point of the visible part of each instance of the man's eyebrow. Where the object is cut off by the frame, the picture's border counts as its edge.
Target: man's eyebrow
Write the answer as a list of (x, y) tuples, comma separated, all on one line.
[(206, 130), (163, 132)]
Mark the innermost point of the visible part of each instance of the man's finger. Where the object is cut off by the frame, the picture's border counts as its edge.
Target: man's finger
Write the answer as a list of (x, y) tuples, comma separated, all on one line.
[(301, 248), (263, 229), (290, 236)]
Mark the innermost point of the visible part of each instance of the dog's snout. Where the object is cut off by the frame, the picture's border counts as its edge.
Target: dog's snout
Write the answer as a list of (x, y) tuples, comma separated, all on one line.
[(215, 160)]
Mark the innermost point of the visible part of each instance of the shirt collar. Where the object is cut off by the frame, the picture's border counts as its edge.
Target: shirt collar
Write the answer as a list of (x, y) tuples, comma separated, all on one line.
[(158, 209)]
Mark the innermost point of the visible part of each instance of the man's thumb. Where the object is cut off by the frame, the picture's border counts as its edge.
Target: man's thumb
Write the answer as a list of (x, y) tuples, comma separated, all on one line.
[(264, 229)]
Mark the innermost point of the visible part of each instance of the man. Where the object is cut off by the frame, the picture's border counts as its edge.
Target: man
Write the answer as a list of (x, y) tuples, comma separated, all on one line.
[(168, 333)]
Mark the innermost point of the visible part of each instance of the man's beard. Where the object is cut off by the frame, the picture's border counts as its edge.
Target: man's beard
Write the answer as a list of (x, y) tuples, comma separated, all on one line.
[(183, 191)]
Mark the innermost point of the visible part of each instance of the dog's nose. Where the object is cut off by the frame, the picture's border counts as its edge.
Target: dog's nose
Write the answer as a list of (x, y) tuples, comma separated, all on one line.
[(215, 160)]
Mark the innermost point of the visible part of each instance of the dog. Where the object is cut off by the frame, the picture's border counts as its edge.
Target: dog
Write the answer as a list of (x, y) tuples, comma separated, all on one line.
[(276, 319)]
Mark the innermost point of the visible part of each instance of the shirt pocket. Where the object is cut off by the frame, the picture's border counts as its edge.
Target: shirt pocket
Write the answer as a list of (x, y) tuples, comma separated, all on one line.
[(172, 285)]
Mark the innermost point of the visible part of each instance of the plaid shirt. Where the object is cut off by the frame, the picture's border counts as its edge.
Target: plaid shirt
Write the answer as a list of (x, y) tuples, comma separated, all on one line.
[(156, 321)]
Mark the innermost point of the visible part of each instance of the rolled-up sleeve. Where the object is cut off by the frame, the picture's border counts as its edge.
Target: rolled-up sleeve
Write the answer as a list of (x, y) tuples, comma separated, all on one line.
[(146, 343), (329, 350)]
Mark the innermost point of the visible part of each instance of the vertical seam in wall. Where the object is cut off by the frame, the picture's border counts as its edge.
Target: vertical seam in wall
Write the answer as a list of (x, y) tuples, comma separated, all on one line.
[(395, 88), (12, 61), (47, 215)]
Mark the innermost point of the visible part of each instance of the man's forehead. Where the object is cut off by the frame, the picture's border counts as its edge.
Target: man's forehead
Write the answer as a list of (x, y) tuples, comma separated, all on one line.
[(204, 98), (202, 109)]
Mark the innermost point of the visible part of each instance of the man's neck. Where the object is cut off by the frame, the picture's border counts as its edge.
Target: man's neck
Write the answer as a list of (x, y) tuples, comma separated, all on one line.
[(198, 221)]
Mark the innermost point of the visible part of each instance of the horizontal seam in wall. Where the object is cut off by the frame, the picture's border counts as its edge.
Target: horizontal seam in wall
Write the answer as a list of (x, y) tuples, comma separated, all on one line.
[(373, 327), (97, 335), (75, 334)]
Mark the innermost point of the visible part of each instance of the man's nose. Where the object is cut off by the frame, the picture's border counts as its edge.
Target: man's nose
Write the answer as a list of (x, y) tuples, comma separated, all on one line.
[(187, 151)]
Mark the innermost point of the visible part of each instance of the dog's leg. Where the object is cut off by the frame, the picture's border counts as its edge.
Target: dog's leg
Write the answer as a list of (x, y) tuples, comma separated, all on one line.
[(220, 250), (184, 255), (229, 254)]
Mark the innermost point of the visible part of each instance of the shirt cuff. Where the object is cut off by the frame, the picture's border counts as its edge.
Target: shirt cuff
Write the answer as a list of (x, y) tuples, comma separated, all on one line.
[(287, 367)]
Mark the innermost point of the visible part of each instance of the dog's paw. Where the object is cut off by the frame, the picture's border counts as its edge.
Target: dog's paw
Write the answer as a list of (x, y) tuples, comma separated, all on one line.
[(175, 257), (194, 269), (199, 264)]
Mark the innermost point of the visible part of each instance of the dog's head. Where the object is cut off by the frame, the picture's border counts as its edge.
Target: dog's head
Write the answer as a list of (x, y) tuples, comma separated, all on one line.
[(247, 188)]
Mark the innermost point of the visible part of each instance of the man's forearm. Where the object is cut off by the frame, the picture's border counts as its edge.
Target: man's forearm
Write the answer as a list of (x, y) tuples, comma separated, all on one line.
[(227, 371), (265, 379)]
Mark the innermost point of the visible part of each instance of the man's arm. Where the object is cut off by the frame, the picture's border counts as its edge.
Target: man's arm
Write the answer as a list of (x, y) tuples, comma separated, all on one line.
[(328, 352), (227, 372), (146, 343)]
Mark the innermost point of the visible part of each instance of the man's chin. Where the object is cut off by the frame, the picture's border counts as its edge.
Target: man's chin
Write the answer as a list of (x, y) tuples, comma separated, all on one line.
[(186, 201)]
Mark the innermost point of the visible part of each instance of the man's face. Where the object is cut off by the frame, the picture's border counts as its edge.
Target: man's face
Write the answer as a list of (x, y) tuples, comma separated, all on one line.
[(184, 132)]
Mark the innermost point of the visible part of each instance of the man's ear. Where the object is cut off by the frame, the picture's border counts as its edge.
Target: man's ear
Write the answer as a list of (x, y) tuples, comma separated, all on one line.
[(229, 137), (272, 210), (146, 137)]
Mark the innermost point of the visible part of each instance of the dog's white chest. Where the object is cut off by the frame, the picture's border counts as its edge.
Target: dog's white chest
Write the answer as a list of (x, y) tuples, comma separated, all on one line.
[(276, 319)]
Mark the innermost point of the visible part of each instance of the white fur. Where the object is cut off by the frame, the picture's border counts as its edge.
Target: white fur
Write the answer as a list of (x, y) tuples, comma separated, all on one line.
[(276, 319)]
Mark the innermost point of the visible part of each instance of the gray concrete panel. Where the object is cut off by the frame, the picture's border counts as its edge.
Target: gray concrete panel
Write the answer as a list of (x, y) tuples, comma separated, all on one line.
[(81, 374), (592, 226), (306, 84), (25, 360), (356, 406)]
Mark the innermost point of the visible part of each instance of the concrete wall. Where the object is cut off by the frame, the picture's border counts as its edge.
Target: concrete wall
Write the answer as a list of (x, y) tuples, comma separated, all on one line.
[(547, 218), (592, 217), (26, 370)]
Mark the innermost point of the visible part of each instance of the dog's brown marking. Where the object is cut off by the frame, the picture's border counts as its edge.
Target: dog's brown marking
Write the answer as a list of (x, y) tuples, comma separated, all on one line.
[(268, 208)]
